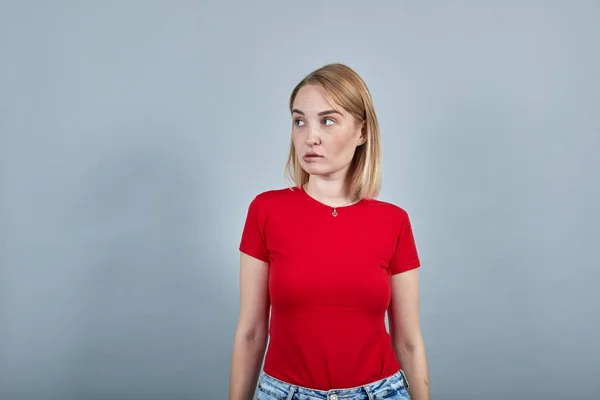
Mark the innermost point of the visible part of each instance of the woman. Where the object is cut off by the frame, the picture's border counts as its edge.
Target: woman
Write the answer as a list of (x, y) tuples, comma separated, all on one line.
[(328, 261)]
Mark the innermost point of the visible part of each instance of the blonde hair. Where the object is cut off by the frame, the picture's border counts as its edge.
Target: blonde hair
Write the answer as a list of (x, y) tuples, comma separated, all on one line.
[(346, 89)]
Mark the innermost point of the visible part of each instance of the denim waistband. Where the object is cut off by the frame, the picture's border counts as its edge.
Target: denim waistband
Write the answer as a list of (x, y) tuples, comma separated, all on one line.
[(283, 390)]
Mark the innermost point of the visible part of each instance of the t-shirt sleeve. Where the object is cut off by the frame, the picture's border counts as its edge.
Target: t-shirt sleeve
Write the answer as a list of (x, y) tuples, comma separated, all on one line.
[(253, 240), (406, 256)]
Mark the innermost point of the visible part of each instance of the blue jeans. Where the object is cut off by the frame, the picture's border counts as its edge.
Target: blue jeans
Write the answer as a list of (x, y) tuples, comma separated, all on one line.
[(394, 387)]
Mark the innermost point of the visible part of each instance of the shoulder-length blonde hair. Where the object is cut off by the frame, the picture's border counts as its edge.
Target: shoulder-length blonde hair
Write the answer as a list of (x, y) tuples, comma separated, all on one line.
[(346, 89)]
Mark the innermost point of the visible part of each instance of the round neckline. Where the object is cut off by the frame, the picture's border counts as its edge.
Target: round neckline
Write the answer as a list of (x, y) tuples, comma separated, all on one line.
[(323, 205)]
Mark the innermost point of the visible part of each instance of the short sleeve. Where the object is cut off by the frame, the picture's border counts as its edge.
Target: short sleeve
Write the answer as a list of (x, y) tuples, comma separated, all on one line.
[(253, 240), (406, 256)]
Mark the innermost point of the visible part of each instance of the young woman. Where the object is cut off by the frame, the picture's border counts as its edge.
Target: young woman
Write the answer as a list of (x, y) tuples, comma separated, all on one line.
[(323, 261)]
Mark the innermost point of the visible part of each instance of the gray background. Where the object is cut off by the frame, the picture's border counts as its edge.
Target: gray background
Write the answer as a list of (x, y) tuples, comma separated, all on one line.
[(134, 134)]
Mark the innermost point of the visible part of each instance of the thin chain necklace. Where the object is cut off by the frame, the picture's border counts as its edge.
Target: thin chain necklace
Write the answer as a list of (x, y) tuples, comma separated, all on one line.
[(334, 212)]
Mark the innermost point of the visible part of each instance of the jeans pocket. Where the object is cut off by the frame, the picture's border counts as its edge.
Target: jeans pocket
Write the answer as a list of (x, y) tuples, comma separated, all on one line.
[(268, 391), (266, 394), (397, 394), (406, 384), (395, 388)]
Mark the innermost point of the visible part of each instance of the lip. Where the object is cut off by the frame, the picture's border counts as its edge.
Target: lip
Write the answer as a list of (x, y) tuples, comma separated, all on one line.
[(311, 157)]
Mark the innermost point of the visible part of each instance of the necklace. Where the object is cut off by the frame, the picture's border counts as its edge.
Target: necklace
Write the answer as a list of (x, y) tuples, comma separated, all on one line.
[(334, 212)]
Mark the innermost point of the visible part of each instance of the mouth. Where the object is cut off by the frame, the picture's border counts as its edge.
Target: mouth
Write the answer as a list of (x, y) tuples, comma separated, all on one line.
[(310, 156)]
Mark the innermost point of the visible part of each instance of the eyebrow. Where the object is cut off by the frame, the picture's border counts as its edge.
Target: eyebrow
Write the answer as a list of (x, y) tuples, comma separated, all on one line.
[(326, 112)]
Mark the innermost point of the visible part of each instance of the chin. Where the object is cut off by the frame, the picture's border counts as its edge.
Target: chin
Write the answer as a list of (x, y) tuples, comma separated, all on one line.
[(310, 169)]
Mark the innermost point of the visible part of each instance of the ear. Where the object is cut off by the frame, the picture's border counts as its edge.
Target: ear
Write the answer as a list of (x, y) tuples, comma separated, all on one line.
[(363, 134)]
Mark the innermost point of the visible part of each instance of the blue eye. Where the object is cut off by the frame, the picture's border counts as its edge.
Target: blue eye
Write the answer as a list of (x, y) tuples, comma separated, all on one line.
[(328, 119), (298, 122)]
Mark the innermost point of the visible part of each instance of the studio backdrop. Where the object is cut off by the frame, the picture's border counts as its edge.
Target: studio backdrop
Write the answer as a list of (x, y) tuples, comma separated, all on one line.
[(134, 134)]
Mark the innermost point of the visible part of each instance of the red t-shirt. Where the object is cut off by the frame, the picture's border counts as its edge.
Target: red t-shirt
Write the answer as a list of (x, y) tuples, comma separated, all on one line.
[(329, 285)]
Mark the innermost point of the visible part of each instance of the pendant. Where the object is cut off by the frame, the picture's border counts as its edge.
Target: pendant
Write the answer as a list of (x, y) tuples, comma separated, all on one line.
[(334, 213)]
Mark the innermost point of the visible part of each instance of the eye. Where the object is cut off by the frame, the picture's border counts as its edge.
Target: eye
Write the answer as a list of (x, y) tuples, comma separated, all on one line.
[(328, 119), (298, 122)]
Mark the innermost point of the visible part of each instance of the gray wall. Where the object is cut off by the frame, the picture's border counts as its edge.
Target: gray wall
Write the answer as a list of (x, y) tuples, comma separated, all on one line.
[(133, 135)]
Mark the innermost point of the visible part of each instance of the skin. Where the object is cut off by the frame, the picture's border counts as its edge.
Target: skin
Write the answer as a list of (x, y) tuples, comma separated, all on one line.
[(324, 128), (327, 129), (405, 332), (252, 331)]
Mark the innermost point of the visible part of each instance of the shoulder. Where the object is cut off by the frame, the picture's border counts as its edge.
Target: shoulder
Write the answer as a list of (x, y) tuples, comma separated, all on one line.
[(392, 219), (274, 197), (387, 209)]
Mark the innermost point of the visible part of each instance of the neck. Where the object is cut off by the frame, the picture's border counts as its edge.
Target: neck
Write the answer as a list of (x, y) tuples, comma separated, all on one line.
[(333, 193)]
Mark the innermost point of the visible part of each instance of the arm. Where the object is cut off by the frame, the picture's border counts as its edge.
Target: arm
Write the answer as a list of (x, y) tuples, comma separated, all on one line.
[(405, 332), (252, 330)]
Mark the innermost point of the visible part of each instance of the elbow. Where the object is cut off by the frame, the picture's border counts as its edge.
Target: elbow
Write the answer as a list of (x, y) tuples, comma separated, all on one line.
[(252, 335), (407, 345), (404, 348)]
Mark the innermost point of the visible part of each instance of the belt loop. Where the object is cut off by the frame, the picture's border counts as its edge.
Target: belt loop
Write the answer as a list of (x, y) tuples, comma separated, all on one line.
[(369, 394), (292, 391)]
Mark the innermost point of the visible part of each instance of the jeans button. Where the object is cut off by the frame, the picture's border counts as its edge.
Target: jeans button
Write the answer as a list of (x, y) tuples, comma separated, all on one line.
[(333, 397)]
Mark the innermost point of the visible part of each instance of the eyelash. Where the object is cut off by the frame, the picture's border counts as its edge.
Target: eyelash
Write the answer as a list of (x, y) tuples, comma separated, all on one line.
[(324, 119)]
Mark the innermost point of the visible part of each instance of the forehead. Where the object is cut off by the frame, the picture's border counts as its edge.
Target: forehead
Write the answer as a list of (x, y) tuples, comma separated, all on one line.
[(314, 98)]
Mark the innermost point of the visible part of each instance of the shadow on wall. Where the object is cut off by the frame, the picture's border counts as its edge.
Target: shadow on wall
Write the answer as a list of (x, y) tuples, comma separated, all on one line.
[(144, 289)]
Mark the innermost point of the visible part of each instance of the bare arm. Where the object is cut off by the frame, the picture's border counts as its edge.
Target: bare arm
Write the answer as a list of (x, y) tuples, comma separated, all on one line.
[(252, 330), (405, 331)]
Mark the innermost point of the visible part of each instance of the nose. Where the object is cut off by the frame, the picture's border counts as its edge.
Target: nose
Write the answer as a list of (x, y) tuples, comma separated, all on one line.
[(313, 137)]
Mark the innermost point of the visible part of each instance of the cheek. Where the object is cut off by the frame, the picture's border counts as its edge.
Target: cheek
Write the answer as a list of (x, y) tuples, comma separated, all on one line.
[(342, 147), (297, 140)]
